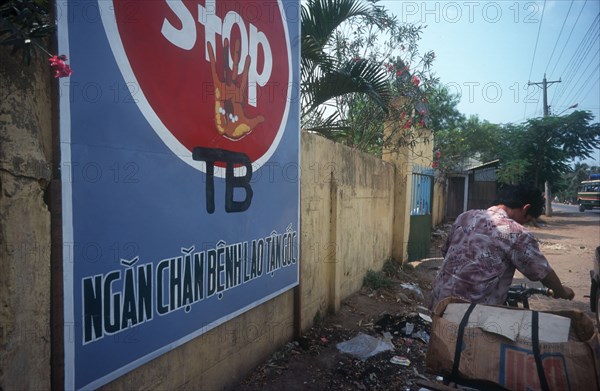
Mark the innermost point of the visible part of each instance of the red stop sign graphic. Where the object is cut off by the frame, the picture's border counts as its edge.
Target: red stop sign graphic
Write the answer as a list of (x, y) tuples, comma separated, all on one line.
[(212, 74)]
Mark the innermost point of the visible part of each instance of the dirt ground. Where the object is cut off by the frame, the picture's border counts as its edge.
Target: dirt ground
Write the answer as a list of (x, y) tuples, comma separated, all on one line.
[(314, 362)]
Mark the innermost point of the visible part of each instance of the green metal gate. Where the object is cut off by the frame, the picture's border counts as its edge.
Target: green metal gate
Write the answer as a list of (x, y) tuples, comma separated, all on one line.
[(419, 239)]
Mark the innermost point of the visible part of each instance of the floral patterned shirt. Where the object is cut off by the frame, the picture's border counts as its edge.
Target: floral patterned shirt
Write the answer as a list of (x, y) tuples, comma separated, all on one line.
[(483, 249)]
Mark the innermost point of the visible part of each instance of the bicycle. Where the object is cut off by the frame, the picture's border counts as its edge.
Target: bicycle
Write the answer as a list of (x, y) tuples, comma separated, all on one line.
[(518, 296)]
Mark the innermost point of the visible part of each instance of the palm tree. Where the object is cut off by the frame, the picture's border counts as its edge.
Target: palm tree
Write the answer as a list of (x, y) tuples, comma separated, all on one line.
[(324, 75)]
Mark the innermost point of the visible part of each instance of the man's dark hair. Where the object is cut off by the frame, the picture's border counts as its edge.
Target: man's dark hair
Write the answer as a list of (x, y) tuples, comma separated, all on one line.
[(517, 196)]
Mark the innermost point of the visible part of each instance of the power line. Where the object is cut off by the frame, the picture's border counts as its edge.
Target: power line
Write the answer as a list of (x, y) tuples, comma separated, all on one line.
[(577, 59), (586, 82), (587, 46), (559, 35), (572, 76), (568, 38), (571, 82), (591, 89), (584, 47), (535, 48), (581, 74), (537, 40)]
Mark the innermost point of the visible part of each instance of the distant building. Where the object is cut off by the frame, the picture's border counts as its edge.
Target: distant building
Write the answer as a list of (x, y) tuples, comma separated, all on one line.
[(472, 186)]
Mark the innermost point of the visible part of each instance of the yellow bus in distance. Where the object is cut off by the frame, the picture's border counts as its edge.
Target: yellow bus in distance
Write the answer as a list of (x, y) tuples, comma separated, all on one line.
[(588, 194)]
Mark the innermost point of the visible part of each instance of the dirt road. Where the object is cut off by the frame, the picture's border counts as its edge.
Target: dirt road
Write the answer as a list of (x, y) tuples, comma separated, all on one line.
[(568, 239)]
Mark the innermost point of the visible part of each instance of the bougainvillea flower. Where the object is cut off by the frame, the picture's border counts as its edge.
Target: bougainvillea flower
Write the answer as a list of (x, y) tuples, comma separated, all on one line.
[(57, 63)]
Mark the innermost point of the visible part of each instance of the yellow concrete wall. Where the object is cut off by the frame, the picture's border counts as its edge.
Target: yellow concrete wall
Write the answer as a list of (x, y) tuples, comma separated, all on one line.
[(221, 357), (438, 211), (346, 201), (419, 153), (25, 156), (439, 202)]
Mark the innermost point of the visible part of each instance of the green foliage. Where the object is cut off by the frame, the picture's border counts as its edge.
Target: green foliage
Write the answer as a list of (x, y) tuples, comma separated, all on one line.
[(513, 171), (452, 147), (325, 74), (537, 151), (469, 138), (458, 138), (443, 111), (376, 280), (549, 144), (23, 24), (356, 59), (318, 319), (367, 137), (391, 268), (484, 139)]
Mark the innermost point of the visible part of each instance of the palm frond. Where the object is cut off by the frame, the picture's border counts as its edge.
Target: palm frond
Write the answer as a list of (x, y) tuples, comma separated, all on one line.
[(320, 18), (355, 76)]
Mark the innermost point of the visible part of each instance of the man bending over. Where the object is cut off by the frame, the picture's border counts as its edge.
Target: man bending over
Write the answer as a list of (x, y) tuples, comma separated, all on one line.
[(484, 247)]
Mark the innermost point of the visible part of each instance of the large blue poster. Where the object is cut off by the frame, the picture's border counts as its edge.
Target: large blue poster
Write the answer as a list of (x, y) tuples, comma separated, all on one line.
[(180, 169)]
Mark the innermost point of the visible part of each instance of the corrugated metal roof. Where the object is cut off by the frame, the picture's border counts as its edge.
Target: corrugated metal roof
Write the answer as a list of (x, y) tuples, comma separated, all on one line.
[(485, 165)]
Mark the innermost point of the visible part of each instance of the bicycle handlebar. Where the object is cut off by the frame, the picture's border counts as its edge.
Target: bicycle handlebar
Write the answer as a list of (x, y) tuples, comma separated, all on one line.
[(524, 290), (527, 291), (521, 293)]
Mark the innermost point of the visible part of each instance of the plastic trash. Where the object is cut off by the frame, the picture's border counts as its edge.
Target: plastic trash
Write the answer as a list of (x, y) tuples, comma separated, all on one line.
[(408, 328), (425, 317), (413, 287), (364, 346), (422, 335), (400, 360)]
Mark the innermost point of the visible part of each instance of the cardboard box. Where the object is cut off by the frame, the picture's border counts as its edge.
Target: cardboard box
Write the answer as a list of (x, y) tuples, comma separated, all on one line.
[(492, 357), (511, 324)]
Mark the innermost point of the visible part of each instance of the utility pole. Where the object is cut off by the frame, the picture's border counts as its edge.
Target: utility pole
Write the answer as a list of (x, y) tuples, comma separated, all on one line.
[(544, 84)]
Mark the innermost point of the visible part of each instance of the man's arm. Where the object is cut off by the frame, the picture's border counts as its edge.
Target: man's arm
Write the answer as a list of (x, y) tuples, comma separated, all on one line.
[(560, 291)]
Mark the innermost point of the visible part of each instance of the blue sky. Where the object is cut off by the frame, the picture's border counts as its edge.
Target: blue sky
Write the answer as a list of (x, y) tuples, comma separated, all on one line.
[(488, 51)]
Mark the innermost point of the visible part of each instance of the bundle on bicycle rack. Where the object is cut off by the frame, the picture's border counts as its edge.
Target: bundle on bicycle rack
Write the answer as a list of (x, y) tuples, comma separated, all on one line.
[(513, 348)]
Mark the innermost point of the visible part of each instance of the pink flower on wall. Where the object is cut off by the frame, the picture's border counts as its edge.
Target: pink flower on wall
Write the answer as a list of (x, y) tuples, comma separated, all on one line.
[(436, 159), (57, 63)]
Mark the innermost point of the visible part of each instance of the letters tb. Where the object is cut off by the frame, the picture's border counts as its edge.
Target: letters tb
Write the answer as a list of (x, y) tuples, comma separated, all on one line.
[(213, 155)]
